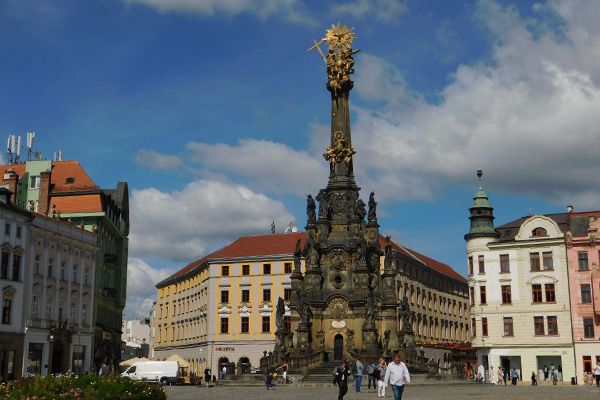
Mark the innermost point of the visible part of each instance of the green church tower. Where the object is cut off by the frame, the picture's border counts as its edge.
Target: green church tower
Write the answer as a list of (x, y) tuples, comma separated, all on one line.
[(481, 215)]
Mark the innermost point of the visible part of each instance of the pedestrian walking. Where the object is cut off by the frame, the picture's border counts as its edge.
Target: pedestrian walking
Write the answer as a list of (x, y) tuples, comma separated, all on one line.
[(397, 376), (546, 370), (207, 376), (370, 375), (501, 376), (493, 376), (358, 374), (533, 379), (597, 373), (380, 373), (340, 379), (284, 369), (514, 376)]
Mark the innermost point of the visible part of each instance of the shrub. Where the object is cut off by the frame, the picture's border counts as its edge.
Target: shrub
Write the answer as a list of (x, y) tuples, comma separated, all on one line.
[(86, 387)]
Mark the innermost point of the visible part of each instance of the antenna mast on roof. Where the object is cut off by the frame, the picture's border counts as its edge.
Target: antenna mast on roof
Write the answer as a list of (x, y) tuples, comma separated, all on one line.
[(30, 137)]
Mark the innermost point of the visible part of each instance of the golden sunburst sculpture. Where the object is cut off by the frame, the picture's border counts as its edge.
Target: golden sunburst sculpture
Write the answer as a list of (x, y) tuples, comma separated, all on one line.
[(339, 36)]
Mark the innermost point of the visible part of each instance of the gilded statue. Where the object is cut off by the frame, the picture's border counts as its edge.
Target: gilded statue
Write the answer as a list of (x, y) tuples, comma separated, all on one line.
[(340, 151)]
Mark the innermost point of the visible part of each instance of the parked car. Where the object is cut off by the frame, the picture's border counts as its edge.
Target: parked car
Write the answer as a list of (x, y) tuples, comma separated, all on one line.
[(165, 372)]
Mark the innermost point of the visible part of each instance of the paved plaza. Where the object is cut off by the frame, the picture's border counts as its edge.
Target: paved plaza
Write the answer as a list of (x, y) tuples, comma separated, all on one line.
[(425, 392)]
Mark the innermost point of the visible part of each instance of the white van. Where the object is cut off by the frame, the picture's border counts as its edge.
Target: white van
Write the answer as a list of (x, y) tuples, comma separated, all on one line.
[(165, 372)]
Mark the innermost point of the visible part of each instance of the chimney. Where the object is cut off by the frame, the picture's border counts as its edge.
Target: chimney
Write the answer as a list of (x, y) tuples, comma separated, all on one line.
[(44, 197), (13, 181)]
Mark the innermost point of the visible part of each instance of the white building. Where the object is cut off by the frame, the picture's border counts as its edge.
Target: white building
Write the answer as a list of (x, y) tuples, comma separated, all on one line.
[(14, 231), (519, 292), (60, 272)]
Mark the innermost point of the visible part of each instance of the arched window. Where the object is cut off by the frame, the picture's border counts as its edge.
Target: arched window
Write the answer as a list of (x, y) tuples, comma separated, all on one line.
[(539, 232)]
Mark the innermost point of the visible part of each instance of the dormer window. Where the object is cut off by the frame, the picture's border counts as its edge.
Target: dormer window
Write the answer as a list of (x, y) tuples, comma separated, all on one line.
[(70, 180), (539, 232)]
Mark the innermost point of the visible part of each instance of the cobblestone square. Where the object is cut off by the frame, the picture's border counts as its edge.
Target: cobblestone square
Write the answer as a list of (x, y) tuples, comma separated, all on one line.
[(425, 392)]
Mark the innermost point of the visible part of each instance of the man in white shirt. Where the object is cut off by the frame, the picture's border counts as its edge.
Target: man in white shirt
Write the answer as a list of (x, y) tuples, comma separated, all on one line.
[(396, 374)]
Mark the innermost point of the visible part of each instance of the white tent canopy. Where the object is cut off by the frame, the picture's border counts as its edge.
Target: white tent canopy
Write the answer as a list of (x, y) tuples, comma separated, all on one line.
[(131, 361), (182, 362)]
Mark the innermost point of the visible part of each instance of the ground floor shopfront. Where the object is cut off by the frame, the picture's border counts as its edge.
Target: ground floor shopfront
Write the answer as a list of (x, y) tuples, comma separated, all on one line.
[(587, 354), (11, 355), (528, 360), (47, 353), (236, 357)]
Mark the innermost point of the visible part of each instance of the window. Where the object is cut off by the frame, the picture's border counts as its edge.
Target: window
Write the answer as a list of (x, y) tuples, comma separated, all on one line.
[(287, 294), (547, 260), (63, 268), (84, 314), (73, 313), (266, 295), (508, 326), (586, 293), (245, 269), (534, 261), (86, 277), (75, 273), (267, 269), (225, 270), (4, 266), (35, 304), (6, 308), (7, 228), (504, 263), (266, 324), (287, 268), (536, 291), (245, 295), (582, 256), (19, 230), (78, 358), (287, 320), (34, 182), (36, 265), (245, 325), (506, 298), (484, 326), (538, 326), (482, 295), (588, 328), (471, 265), (224, 325), (539, 232), (16, 267), (224, 296), (552, 326), (50, 267), (472, 295), (473, 327), (550, 294), (481, 262)]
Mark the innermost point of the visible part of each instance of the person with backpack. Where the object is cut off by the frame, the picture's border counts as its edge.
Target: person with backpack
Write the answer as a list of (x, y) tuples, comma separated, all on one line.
[(340, 378), (380, 374), (372, 380)]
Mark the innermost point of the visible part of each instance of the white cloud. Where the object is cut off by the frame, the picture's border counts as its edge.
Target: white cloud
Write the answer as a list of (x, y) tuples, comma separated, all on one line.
[(529, 117), (378, 79), (383, 10), (184, 225), (274, 167), (291, 10), (157, 161), (141, 291)]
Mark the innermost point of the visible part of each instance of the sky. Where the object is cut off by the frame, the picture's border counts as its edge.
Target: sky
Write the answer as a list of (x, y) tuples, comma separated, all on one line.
[(217, 116)]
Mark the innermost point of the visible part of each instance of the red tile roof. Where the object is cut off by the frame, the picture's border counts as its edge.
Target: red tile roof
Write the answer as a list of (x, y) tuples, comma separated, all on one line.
[(284, 243), (76, 203), (61, 171)]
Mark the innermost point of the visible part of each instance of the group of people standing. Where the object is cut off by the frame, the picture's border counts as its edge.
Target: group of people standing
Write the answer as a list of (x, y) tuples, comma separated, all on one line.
[(380, 376)]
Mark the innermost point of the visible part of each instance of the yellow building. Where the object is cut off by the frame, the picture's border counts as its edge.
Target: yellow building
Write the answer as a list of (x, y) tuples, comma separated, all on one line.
[(221, 309)]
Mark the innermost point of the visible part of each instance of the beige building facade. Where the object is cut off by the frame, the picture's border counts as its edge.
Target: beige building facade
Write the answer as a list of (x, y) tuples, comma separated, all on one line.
[(220, 309), (519, 293)]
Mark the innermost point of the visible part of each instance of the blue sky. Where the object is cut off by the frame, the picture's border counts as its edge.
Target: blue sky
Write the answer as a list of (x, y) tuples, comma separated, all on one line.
[(217, 116)]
